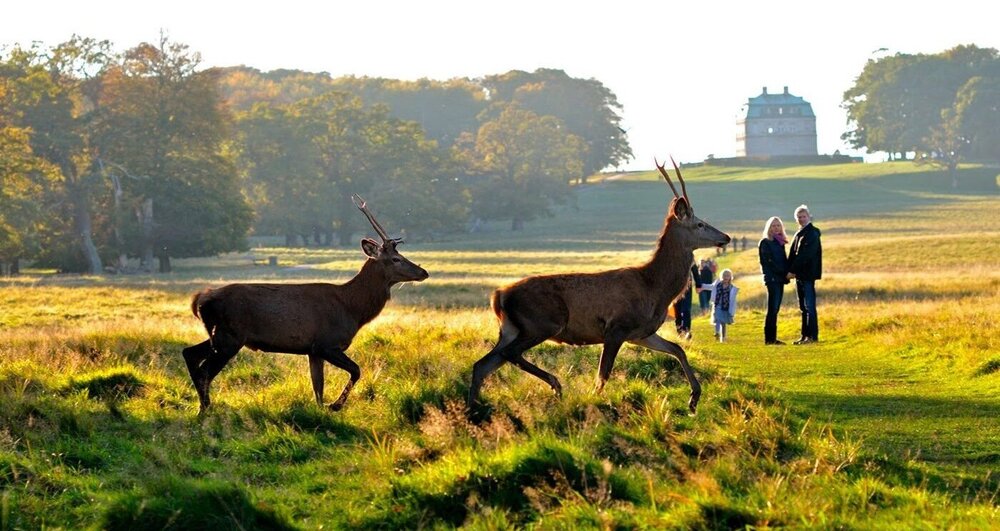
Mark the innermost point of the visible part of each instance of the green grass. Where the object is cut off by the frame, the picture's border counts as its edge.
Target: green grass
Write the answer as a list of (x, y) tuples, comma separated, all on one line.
[(891, 421)]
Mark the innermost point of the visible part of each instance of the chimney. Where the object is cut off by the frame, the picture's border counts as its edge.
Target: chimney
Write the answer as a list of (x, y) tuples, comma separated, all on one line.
[(764, 91), (786, 90)]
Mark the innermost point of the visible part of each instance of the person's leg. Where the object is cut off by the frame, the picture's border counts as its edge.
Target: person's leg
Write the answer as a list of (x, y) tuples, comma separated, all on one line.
[(811, 329), (774, 293), (800, 293)]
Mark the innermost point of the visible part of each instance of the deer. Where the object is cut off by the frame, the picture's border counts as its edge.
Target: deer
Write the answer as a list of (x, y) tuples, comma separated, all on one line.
[(319, 320), (626, 305)]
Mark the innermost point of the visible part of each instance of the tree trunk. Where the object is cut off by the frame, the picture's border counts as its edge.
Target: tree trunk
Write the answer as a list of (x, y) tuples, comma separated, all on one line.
[(145, 214), (165, 262), (84, 228)]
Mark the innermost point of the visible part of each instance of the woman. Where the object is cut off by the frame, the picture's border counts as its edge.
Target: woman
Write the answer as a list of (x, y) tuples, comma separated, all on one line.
[(774, 267)]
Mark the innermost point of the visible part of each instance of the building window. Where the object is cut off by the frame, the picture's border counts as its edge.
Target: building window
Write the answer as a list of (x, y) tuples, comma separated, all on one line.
[(781, 110), (770, 130)]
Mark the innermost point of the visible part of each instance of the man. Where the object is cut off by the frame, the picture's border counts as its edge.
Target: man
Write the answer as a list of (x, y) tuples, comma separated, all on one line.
[(805, 265)]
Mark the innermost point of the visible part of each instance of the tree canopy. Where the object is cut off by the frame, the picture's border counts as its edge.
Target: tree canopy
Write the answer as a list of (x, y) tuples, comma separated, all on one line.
[(940, 106)]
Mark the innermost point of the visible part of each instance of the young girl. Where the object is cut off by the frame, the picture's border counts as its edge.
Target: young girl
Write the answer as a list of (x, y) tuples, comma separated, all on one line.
[(723, 302)]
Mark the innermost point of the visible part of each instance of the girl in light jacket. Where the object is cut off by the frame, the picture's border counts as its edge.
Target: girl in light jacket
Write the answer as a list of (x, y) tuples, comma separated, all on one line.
[(723, 302)]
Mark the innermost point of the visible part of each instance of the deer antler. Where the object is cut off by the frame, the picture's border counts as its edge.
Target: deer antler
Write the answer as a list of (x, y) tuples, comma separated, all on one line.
[(663, 171), (677, 170), (363, 207)]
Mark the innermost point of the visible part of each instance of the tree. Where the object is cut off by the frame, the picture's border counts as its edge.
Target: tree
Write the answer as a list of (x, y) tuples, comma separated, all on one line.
[(164, 129), (977, 113), (22, 182), (305, 161), (904, 103), (586, 108), (53, 95), (526, 162)]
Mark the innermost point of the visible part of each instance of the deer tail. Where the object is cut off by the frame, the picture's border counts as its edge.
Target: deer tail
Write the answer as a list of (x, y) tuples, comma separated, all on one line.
[(496, 302), (195, 303)]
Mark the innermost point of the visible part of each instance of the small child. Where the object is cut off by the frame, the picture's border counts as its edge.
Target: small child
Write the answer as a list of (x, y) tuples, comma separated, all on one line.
[(723, 302)]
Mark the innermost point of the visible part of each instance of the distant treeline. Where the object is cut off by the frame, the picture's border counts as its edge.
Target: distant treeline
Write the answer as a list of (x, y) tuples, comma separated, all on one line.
[(107, 156), (944, 108)]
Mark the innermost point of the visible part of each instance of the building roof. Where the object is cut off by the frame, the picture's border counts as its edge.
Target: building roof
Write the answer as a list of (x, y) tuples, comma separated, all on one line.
[(755, 106)]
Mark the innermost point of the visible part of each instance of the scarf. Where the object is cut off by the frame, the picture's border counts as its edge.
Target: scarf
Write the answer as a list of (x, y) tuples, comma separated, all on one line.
[(781, 238)]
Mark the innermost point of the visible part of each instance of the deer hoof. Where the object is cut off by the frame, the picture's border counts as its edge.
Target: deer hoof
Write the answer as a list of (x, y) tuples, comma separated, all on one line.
[(336, 406)]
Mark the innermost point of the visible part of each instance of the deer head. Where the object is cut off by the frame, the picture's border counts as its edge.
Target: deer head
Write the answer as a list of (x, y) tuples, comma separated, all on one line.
[(698, 234), (396, 266)]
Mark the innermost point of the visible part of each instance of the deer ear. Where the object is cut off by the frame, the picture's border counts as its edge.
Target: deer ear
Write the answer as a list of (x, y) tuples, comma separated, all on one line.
[(371, 247), (680, 208)]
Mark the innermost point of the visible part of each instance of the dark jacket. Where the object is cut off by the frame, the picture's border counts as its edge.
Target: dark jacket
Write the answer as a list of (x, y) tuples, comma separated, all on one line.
[(806, 256), (705, 275), (773, 262)]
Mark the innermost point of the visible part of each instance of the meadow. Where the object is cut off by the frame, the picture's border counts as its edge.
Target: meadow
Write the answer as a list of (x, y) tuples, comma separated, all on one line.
[(892, 420)]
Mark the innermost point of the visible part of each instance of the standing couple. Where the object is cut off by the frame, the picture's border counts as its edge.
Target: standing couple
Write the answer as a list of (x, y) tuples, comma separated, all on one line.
[(804, 263)]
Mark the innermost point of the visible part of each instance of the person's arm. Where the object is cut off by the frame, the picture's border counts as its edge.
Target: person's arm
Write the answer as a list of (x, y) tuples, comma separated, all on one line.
[(766, 259)]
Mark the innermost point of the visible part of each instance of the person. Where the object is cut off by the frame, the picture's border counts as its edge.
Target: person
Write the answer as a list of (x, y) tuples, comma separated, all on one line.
[(706, 275), (774, 267), (805, 265), (723, 293), (682, 306)]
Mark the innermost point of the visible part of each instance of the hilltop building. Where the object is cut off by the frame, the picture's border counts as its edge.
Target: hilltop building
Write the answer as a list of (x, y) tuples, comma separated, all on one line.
[(776, 125)]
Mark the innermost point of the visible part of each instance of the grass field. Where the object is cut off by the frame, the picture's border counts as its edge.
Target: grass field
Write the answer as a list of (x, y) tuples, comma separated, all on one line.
[(891, 421)]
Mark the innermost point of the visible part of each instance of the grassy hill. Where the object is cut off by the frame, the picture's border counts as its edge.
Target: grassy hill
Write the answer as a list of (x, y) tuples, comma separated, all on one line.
[(893, 420)]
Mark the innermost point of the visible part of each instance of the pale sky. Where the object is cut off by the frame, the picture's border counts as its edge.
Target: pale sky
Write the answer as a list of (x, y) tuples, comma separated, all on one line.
[(680, 71)]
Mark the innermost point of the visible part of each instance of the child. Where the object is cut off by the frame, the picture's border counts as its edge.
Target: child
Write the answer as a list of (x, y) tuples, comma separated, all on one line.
[(723, 302)]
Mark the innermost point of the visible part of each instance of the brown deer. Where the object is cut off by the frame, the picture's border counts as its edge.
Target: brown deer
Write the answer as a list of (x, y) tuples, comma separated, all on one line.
[(319, 320), (625, 305)]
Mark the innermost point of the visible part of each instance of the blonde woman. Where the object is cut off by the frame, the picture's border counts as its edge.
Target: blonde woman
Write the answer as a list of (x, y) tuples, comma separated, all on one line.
[(774, 267)]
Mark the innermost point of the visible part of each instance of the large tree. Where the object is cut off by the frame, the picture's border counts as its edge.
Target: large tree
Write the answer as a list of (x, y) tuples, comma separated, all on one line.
[(526, 163), (23, 181), (305, 161), (53, 94), (585, 107), (908, 103), (163, 133)]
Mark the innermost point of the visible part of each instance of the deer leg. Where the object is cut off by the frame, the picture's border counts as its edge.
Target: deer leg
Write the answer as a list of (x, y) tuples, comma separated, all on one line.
[(223, 350), (194, 356), (316, 372), (339, 359), (657, 343), (611, 347), (537, 371), (483, 368)]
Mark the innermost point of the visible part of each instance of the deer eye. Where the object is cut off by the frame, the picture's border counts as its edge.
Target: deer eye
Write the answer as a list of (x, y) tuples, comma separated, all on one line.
[(396, 259), (701, 225)]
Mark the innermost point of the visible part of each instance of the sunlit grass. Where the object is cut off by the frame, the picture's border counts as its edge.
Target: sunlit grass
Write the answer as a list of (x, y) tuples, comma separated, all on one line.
[(889, 422)]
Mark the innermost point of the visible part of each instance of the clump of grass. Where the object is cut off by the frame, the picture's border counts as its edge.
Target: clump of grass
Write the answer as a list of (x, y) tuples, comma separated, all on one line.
[(111, 386), (521, 480), (990, 367), (174, 503)]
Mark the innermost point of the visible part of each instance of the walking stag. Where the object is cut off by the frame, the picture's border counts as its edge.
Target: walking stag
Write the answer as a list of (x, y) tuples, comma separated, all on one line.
[(625, 305), (319, 320)]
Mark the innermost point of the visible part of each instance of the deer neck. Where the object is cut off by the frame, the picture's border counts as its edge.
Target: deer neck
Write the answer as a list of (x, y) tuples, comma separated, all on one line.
[(368, 292), (670, 264)]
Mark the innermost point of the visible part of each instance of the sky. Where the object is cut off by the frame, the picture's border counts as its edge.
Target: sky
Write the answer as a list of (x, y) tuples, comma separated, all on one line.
[(681, 72)]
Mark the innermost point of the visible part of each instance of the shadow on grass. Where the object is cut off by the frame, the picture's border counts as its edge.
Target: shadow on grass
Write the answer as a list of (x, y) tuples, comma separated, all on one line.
[(174, 503), (922, 427)]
